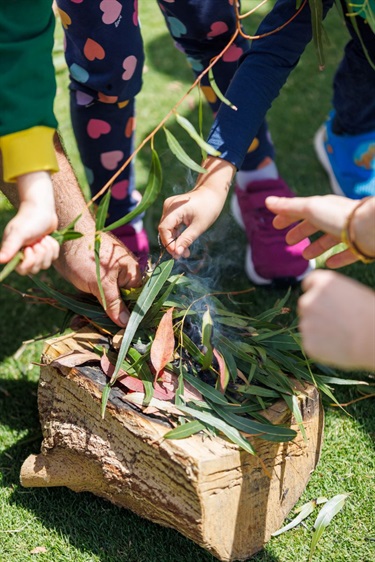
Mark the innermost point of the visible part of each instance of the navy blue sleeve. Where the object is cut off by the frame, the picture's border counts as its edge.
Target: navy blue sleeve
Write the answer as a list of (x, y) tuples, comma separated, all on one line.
[(263, 71)]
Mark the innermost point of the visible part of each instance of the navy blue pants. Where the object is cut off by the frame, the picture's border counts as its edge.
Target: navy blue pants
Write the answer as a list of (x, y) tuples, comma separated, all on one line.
[(104, 53)]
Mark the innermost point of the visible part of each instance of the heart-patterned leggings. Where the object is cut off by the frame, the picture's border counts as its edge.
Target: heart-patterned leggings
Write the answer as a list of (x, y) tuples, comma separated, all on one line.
[(104, 53)]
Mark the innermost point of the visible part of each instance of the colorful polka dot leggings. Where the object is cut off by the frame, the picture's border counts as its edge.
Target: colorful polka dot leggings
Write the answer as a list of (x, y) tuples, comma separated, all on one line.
[(104, 53)]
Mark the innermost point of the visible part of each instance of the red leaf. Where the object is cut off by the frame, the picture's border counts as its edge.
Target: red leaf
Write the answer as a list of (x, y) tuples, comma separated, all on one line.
[(131, 383), (162, 347), (108, 368)]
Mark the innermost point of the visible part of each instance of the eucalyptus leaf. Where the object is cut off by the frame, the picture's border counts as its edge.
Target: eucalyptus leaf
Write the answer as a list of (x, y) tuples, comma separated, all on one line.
[(268, 432), (306, 510), (185, 430), (325, 516), (190, 129), (218, 92), (97, 245), (176, 148), (206, 390), (150, 195), (219, 424), (207, 327), (149, 292)]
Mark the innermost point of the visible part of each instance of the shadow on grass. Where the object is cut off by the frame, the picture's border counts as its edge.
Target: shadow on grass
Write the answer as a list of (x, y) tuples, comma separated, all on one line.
[(95, 527)]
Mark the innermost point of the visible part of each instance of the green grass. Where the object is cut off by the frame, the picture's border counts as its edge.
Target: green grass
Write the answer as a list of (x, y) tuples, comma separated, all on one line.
[(84, 528)]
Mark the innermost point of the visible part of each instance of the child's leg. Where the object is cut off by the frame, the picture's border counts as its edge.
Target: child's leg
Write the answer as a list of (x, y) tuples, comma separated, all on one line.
[(346, 143), (104, 53), (202, 30)]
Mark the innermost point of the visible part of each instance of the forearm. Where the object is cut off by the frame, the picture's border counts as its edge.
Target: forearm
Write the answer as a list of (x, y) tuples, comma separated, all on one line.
[(263, 71), (69, 199)]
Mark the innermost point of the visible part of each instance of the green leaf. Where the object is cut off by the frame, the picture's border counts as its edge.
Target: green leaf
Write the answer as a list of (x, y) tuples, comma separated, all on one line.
[(304, 512), (268, 432), (105, 396), (293, 405), (97, 244), (180, 153), (325, 516), (145, 300), (207, 327), (258, 391), (218, 92), (206, 390), (190, 129), (200, 118), (67, 233), (93, 311), (316, 9), (102, 211), (144, 373), (150, 195), (232, 433), (185, 430)]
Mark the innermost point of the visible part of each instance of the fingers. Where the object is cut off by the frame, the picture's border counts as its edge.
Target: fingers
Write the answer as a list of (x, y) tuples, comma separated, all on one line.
[(341, 259), (175, 216), (39, 256), (319, 246), (290, 209), (13, 240), (116, 308), (121, 271)]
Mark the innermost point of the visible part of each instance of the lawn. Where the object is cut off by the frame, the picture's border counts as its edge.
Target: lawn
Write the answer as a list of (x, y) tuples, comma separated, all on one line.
[(84, 528)]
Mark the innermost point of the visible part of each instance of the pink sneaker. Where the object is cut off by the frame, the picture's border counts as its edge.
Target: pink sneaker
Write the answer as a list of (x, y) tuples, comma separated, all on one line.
[(268, 258), (134, 237)]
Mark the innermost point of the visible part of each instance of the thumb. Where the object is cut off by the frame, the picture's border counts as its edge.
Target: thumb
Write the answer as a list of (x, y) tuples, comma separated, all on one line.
[(115, 307), (185, 240), (12, 242)]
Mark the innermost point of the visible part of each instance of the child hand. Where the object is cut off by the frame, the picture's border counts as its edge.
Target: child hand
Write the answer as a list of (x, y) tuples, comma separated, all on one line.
[(326, 214), (35, 219), (197, 209)]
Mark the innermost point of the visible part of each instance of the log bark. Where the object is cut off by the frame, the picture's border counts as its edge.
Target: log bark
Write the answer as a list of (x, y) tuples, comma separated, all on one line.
[(207, 489)]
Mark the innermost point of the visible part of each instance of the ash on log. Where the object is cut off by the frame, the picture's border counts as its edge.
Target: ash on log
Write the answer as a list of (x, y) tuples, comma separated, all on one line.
[(206, 488)]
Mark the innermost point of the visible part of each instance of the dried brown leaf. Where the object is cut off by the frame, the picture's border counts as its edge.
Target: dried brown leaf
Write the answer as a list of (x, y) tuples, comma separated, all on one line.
[(75, 358)]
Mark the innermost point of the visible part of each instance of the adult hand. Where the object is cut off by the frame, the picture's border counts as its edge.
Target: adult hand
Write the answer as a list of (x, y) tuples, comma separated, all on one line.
[(327, 214), (336, 320), (197, 210), (118, 269)]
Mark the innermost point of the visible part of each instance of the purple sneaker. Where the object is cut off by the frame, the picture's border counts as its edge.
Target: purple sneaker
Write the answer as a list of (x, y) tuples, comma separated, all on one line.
[(134, 237), (269, 259)]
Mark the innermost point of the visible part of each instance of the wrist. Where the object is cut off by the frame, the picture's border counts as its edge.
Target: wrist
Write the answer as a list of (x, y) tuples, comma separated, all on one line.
[(363, 227), (36, 188), (219, 175), (358, 232)]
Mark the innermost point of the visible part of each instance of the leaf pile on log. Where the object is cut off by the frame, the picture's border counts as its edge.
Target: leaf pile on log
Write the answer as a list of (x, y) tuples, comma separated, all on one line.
[(201, 366)]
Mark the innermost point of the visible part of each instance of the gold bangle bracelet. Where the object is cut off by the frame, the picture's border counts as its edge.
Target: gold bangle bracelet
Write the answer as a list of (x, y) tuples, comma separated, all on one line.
[(347, 235)]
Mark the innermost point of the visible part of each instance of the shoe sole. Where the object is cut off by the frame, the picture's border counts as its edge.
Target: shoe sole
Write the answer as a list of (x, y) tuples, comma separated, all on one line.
[(324, 160)]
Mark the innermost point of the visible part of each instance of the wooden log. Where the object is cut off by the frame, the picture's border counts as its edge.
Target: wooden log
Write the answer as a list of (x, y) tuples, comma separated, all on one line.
[(207, 489)]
